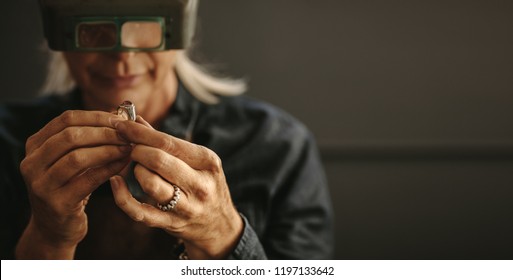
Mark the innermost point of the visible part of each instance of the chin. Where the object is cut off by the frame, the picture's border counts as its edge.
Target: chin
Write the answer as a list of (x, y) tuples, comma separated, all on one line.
[(107, 96)]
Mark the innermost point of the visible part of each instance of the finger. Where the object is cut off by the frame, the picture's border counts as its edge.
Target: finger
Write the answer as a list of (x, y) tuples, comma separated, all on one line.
[(82, 186), (74, 137), (152, 184), (71, 118), (80, 160), (137, 211), (167, 166), (140, 119), (198, 157)]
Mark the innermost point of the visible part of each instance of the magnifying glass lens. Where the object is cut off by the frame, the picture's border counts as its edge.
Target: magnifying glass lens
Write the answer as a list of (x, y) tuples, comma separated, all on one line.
[(97, 35), (141, 34)]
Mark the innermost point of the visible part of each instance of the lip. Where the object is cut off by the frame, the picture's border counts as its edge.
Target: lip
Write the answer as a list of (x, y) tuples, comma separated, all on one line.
[(119, 82)]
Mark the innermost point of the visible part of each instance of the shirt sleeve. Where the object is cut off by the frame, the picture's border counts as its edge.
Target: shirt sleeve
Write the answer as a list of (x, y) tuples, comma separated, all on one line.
[(249, 246), (300, 220), (288, 212)]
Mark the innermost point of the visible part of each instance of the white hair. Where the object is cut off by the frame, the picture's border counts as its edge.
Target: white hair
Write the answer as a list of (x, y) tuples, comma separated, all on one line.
[(200, 83)]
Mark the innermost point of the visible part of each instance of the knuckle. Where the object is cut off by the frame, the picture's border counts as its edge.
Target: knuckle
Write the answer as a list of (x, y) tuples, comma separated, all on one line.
[(75, 159), (71, 135), (26, 167), (138, 217), (28, 171), (216, 164), (36, 188), (166, 144), (152, 188), (148, 183), (67, 117), (202, 193), (30, 143), (159, 161)]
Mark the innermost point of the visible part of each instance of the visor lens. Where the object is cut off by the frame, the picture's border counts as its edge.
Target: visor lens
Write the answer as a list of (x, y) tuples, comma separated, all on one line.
[(97, 35), (141, 34)]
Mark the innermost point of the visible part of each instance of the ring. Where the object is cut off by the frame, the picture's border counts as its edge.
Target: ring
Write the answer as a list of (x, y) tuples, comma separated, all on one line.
[(172, 204), (127, 108)]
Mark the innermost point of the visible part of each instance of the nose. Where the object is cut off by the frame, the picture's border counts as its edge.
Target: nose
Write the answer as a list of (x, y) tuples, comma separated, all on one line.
[(124, 55), (123, 61)]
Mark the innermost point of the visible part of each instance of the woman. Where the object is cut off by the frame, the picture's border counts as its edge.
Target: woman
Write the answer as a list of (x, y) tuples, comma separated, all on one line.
[(195, 176)]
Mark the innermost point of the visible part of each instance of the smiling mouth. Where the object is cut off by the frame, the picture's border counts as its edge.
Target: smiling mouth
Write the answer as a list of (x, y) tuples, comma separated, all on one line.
[(119, 82)]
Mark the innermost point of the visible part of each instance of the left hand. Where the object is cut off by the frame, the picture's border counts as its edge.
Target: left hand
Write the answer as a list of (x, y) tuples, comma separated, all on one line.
[(205, 217)]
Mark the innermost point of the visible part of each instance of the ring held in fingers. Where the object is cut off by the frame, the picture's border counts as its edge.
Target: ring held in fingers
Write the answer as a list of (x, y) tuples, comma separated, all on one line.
[(174, 201), (127, 109)]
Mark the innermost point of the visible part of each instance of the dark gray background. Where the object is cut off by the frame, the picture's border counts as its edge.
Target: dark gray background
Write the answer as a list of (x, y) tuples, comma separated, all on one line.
[(410, 102)]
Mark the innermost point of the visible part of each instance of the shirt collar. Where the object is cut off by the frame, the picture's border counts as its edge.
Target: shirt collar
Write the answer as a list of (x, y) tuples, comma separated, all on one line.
[(182, 116)]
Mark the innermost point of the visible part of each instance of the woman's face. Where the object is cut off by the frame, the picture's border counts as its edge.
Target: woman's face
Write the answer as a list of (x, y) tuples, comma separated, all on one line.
[(108, 78)]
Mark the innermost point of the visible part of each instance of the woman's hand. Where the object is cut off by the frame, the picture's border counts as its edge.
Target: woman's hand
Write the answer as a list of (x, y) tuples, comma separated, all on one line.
[(65, 162), (205, 217)]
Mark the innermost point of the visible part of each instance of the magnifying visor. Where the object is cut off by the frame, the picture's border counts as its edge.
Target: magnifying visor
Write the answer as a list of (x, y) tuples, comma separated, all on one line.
[(116, 25), (119, 33)]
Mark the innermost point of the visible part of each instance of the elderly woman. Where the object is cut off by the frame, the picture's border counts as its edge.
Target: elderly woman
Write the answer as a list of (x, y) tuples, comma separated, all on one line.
[(192, 173)]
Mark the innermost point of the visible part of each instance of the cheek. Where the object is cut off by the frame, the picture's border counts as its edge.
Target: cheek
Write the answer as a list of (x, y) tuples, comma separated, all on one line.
[(164, 62), (78, 63)]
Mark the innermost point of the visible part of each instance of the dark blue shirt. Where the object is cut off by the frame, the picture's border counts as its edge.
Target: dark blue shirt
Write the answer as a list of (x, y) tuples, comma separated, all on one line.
[(270, 161)]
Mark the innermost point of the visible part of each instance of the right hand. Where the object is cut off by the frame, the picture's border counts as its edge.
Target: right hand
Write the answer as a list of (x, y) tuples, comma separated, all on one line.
[(65, 162)]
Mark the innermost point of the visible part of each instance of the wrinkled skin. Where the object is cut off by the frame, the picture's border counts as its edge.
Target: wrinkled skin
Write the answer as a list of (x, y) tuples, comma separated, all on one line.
[(79, 150)]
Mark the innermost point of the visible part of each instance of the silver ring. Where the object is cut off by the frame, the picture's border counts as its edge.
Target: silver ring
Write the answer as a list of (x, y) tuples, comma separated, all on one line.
[(172, 204), (127, 108)]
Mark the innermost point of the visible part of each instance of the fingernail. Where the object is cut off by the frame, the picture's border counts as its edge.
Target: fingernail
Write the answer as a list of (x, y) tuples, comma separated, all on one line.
[(113, 182)]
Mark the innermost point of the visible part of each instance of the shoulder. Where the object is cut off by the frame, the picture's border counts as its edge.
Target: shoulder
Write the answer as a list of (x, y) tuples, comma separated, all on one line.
[(271, 121), (249, 123)]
